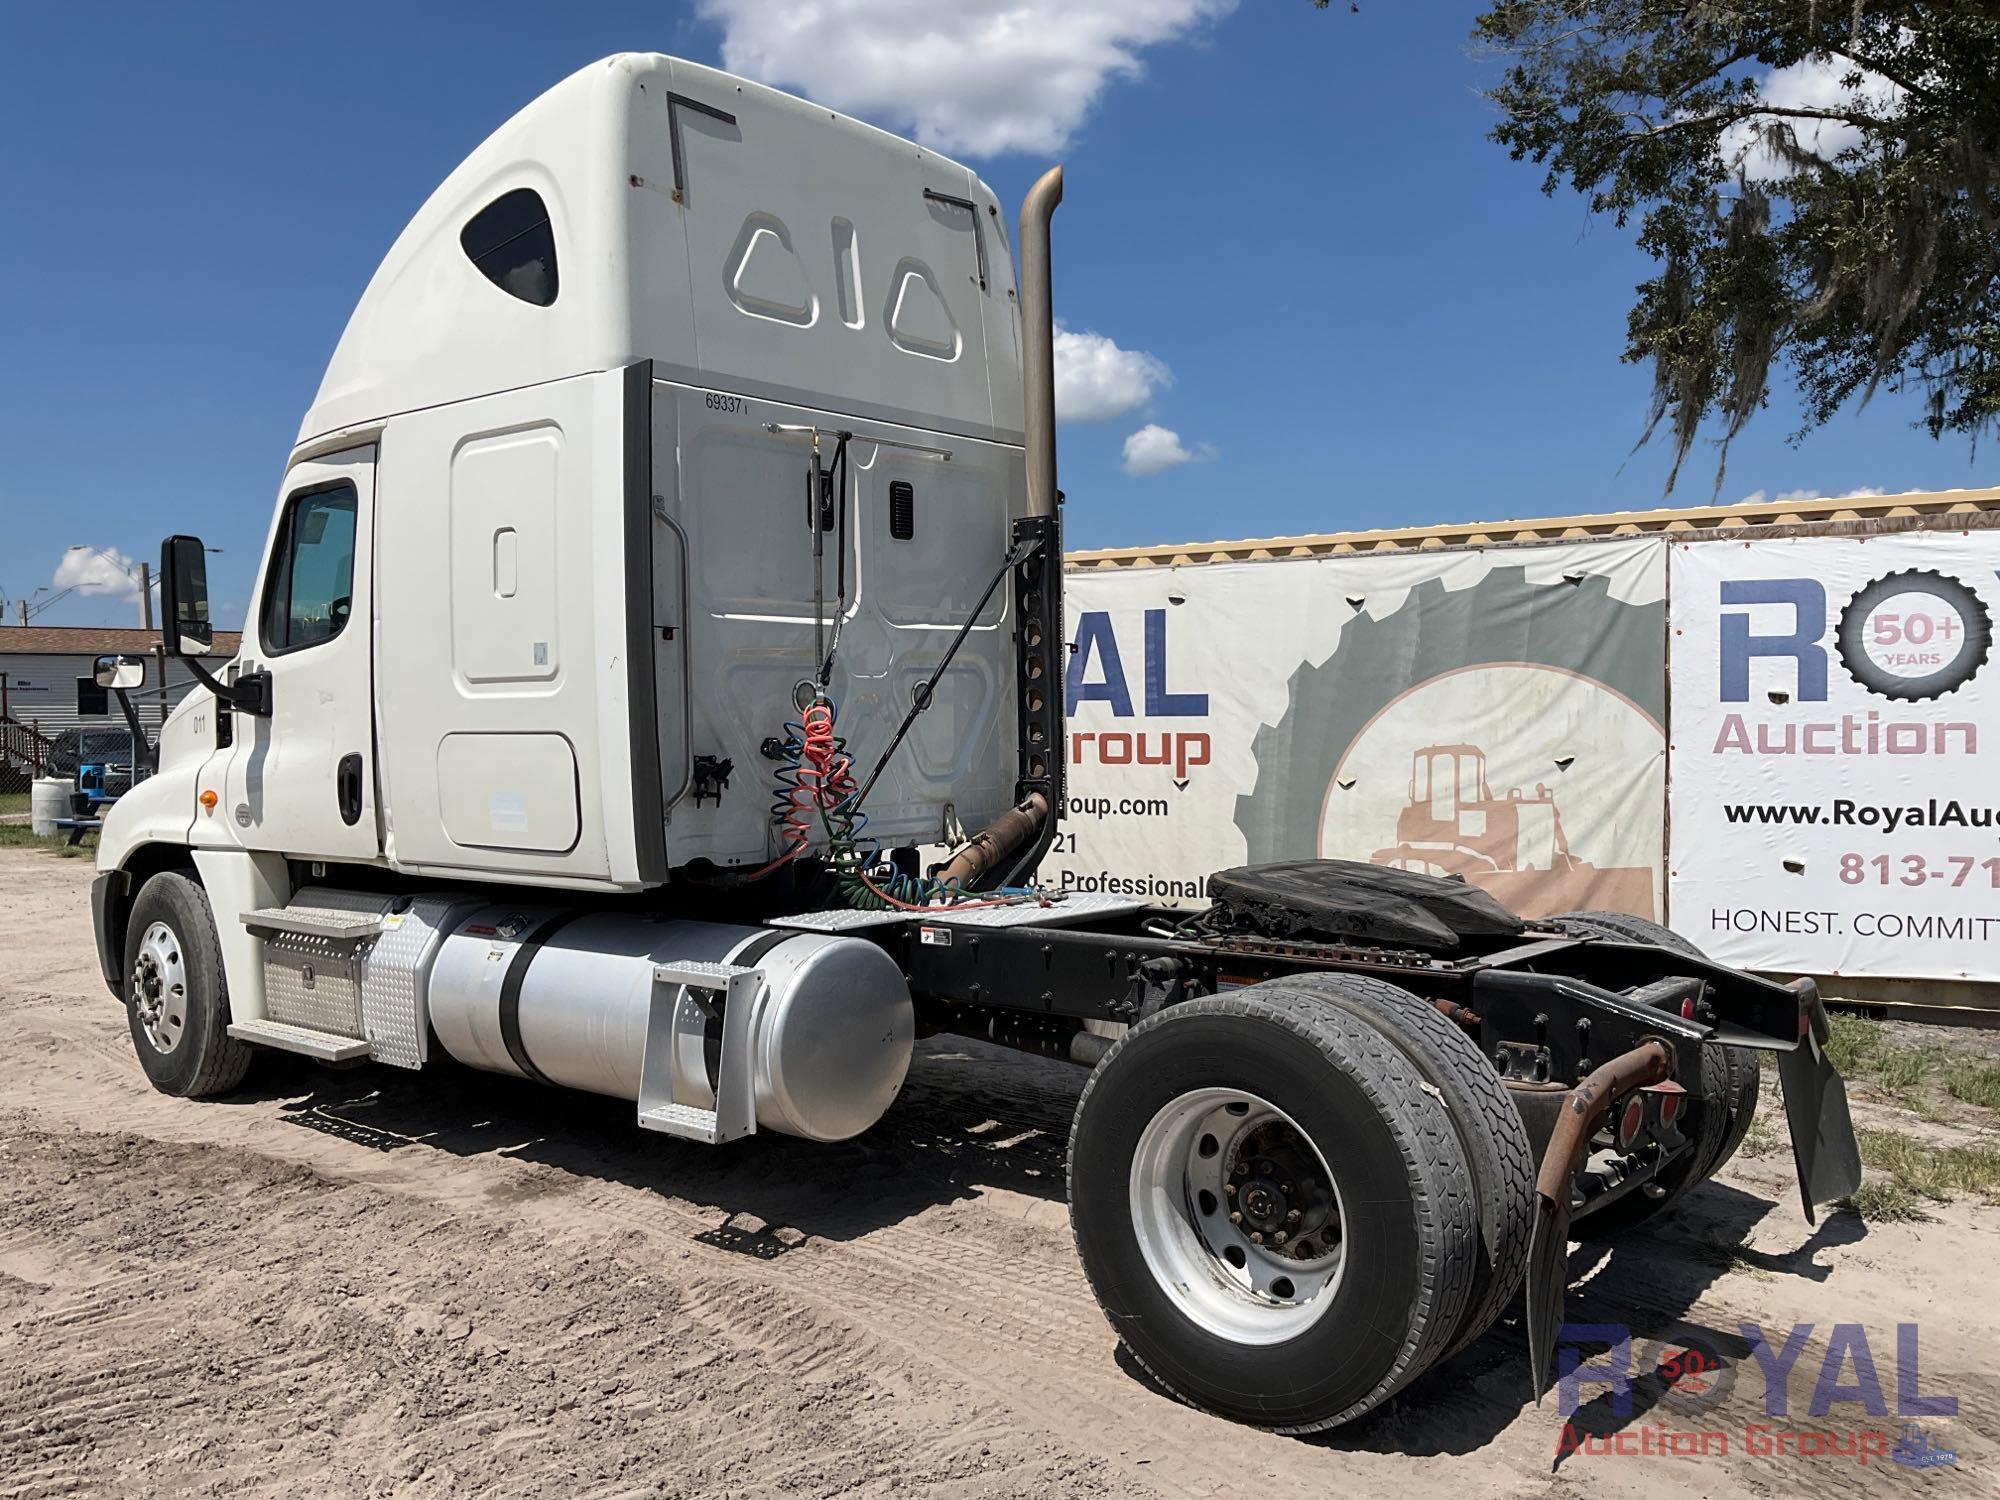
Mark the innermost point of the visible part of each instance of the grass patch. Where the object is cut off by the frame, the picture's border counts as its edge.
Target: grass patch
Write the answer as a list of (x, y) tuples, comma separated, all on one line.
[(13, 802), (1886, 1201), (1731, 1256), (1763, 1140), (1915, 1077), (20, 836), (1899, 1070), (1854, 1044), (1935, 1172), (1973, 1082)]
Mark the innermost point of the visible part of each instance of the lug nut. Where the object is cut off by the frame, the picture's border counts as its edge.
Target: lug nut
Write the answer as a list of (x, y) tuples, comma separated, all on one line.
[(1235, 1218), (1229, 1190), (1294, 1217), (1280, 1237), (1285, 1188), (1256, 1238)]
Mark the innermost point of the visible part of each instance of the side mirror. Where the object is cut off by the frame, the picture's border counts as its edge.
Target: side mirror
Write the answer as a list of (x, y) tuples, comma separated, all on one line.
[(185, 628), (120, 672)]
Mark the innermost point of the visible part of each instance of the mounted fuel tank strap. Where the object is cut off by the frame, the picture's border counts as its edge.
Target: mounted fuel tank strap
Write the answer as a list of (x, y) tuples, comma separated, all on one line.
[(510, 991), (754, 950)]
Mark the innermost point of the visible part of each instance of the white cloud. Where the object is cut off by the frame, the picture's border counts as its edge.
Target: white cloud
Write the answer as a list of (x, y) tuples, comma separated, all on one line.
[(98, 570), (1760, 497), (1154, 449), (1810, 83), (977, 77), (1096, 380)]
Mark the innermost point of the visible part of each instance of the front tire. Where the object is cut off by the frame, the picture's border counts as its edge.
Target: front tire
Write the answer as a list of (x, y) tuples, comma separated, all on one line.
[(176, 997), (1273, 1210)]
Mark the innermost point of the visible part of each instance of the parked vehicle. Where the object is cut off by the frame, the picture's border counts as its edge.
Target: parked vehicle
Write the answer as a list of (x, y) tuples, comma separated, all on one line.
[(672, 551), (108, 753)]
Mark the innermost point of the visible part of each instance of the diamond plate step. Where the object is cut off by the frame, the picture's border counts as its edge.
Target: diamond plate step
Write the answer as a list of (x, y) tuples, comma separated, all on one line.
[(699, 974), (326, 1046), (688, 1121), (341, 926)]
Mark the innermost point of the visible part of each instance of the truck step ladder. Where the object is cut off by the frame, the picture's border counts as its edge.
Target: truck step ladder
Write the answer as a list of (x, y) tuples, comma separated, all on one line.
[(311, 962), (668, 1098)]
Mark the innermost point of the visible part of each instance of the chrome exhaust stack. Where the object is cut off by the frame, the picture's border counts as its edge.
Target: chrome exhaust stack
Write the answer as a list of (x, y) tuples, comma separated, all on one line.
[(1038, 342)]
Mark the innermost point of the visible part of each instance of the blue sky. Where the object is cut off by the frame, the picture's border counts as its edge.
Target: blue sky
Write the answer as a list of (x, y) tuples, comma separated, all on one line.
[(1369, 315)]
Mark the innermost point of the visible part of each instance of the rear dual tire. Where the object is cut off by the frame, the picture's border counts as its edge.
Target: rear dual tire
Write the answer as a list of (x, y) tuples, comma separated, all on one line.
[(1497, 1152), (1298, 1108)]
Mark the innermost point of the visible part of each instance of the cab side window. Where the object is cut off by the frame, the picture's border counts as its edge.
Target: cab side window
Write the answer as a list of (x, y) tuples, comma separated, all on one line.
[(514, 246), (311, 588)]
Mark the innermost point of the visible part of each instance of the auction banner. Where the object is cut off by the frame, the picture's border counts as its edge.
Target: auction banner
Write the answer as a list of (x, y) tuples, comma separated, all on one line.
[(1836, 754), (1493, 714)]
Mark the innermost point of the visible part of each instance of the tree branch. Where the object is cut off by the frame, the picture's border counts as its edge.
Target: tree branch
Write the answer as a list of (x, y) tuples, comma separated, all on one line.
[(1750, 112), (1907, 85)]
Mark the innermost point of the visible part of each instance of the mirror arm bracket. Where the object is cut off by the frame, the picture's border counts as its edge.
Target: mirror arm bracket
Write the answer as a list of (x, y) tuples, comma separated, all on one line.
[(251, 691), (142, 748)]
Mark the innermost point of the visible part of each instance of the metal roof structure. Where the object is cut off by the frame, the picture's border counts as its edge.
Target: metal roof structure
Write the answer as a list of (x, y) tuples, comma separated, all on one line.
[(94, 640), (1897, 510)]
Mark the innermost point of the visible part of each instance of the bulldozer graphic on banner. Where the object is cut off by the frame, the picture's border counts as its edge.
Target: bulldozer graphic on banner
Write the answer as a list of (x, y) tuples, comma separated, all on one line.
[(1511, 847), (1388, 748)]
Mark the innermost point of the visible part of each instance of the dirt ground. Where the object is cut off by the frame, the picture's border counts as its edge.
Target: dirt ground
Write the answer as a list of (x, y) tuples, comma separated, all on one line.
[(376, 1283)]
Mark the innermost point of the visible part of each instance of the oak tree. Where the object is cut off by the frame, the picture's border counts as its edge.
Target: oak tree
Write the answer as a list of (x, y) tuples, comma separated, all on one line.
[(1816, 181)]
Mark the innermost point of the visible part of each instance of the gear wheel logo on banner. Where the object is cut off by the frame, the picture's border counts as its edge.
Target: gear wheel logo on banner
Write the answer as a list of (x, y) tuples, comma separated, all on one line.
[(1913, 635), (1473, 732)]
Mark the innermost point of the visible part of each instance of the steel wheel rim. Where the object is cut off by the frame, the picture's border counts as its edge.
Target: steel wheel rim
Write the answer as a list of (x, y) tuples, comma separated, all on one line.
[(160, 988), (1217, 1152)]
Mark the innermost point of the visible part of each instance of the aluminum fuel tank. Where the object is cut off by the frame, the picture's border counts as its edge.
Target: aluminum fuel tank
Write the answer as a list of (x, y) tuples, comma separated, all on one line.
[(564, 997)]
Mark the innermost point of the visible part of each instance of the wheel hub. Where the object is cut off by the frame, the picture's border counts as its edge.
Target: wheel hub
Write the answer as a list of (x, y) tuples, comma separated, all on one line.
[(1264, 1207), (159, 988), (1237, 1215), (1281, 1197)]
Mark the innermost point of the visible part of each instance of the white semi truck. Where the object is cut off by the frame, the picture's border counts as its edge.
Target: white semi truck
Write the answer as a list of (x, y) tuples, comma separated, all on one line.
[(670, 555)]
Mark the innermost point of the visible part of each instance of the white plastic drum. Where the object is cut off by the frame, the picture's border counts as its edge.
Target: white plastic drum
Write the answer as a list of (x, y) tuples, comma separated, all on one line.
[(48, 799)]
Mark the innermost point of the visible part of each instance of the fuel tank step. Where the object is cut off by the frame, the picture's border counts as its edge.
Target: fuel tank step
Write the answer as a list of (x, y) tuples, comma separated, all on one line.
[(733, 988), (688, 1121), (324, 1046)]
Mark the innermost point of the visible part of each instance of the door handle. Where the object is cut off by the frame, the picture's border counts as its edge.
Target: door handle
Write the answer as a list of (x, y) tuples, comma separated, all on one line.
[(347, 785)]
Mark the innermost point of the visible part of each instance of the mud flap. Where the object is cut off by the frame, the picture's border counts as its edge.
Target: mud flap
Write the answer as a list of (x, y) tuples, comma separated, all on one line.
[(1547, 1281), (1824, 1149)]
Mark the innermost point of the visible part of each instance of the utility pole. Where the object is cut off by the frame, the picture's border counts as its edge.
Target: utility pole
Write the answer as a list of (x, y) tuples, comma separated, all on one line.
[(146, 596)]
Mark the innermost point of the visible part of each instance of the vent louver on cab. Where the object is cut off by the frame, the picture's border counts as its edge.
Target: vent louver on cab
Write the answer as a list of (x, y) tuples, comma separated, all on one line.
[(902, 510)]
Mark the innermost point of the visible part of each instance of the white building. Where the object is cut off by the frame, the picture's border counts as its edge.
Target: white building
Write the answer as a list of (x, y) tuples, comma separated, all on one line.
[(47, 687)]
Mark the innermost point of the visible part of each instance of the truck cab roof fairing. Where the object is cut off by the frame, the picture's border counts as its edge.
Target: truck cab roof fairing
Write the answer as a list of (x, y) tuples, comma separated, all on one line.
[(740, 238)]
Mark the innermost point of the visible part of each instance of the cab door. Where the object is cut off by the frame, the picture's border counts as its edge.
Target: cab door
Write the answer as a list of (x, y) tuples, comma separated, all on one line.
[(302, 780)]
